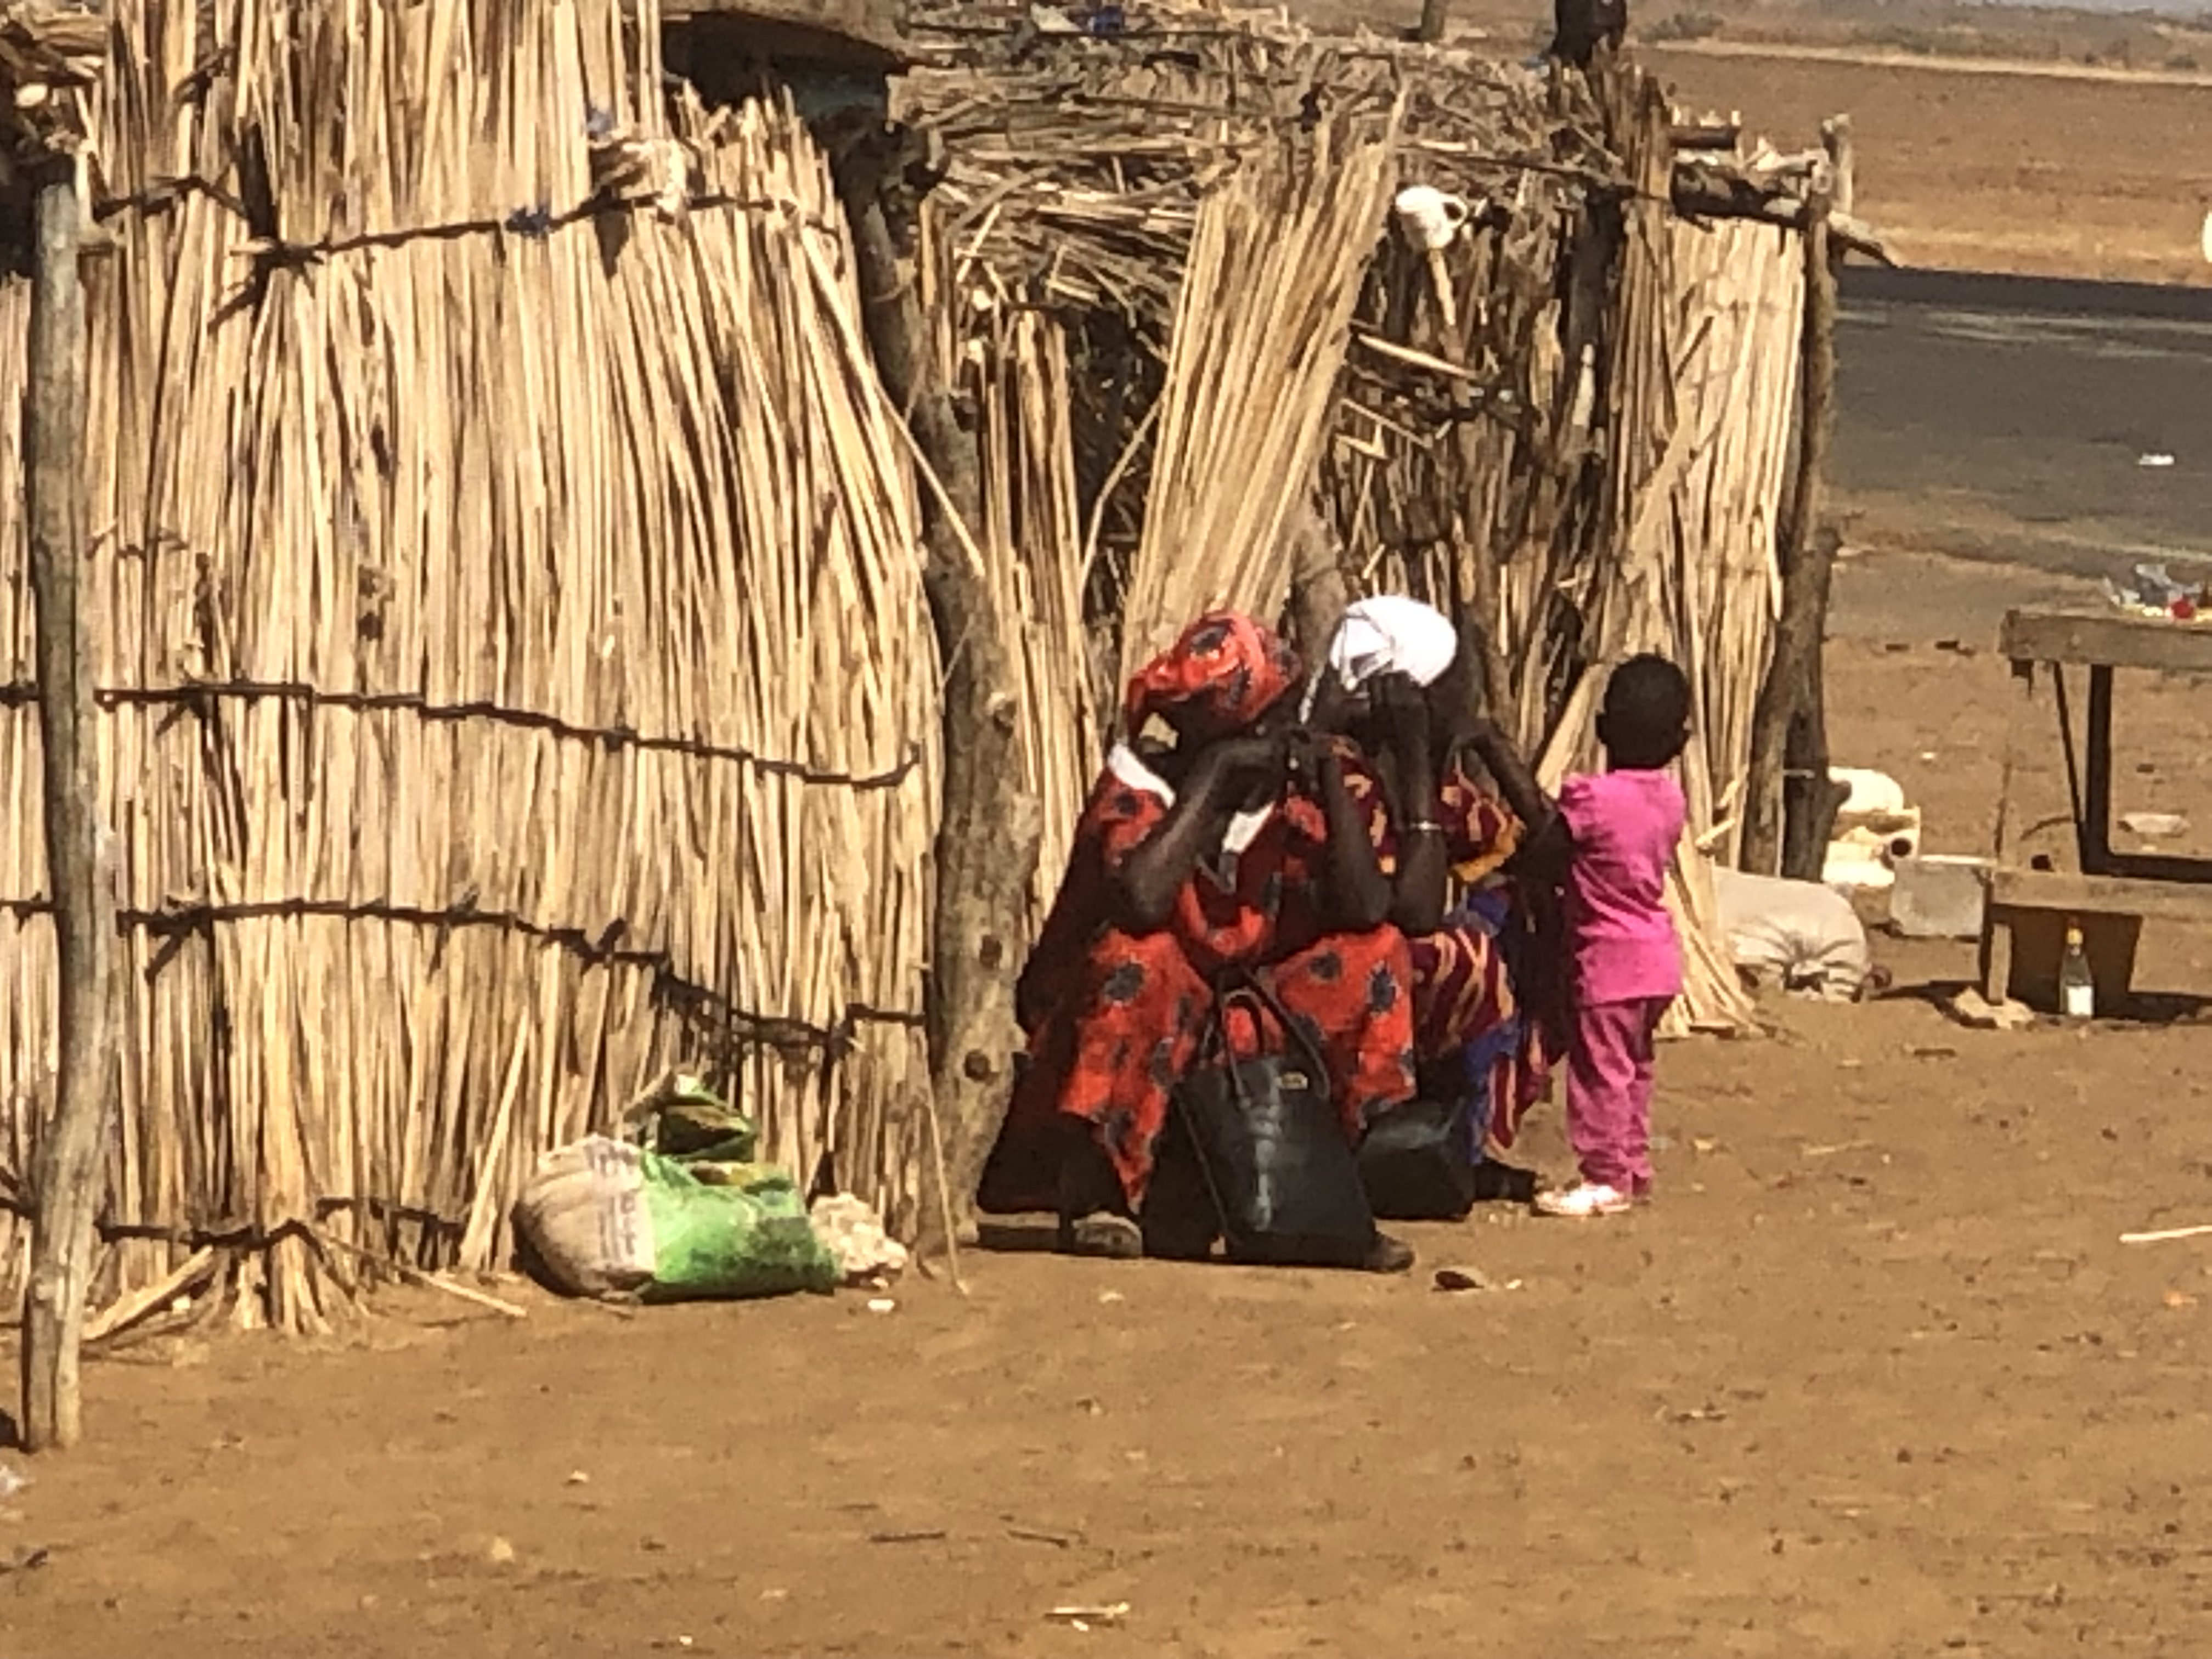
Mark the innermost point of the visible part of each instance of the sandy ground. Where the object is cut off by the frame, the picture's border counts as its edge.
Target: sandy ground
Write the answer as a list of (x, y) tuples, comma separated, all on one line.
[(1965, 170), (2043, 163), (1874, 1378)]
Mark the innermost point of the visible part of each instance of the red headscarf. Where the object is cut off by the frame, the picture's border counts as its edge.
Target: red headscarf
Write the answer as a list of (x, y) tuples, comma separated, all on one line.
[(1223, 674)]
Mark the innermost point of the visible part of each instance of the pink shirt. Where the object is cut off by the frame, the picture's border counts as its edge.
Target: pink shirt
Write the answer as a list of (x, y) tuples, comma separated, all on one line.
[(1625, 827)]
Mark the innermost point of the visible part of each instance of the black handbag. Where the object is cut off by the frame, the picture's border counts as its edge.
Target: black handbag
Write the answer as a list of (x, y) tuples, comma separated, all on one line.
[(1266, 1137), (1418, 1162)]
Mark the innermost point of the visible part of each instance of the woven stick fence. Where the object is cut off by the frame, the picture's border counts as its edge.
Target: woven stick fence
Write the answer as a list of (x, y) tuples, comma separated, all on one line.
[(523, 682), (1571, 428)]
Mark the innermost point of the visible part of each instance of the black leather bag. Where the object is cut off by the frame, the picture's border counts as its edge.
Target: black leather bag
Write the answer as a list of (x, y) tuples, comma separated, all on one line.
[(1418, 1162), (1265, 1135)]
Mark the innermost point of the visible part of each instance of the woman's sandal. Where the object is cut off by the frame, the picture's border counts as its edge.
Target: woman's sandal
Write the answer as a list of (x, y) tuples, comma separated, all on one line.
[(1388, 1255), (1102, 1233)]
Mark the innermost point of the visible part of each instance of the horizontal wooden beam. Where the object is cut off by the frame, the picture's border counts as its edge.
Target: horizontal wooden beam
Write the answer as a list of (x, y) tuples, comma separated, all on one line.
[(1722, 136), (2101, 895), (1701, 197), (2111, 640)]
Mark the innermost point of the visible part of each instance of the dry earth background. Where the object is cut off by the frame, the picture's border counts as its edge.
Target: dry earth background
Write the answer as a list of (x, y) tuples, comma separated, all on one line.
[(1874, 1378), (1990, 137)]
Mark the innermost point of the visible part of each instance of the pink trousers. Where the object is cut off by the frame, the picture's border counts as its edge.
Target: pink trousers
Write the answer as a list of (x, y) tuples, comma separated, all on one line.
[(1609, 1091)]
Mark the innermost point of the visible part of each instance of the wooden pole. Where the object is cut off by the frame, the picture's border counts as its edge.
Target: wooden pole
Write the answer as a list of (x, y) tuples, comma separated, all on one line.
[(1810, 798), (1435, 16), (990, 825), (67, 1169), (1318, 592), (1791, 698), (1842, 161)]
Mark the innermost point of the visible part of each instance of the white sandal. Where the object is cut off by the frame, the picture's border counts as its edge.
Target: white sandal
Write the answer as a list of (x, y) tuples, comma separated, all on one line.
[(1584, 1202)]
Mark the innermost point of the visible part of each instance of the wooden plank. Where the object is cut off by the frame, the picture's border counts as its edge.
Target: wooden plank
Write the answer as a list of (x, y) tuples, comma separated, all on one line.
[(2096, 776), (2173, 869), (2117, 895), (2115, 641)]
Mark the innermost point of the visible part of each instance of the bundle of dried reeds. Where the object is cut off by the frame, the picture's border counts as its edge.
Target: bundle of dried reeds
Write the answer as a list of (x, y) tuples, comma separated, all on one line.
[(1076, 166), (1466, 435), (1259, 341), (1032, 540), (525, 682)]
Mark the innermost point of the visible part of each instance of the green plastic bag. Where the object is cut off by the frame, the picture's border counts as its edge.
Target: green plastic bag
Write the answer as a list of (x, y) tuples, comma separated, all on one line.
[(690, 1218), (749, 1237)]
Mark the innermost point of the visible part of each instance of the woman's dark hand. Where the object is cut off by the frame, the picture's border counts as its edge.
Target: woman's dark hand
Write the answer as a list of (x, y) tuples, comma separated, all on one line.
[(1404, 708), (1305, 752), (1334, 706), (1246, 762)]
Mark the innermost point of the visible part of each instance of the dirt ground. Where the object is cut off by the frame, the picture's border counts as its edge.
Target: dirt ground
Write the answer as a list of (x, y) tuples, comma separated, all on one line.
[(1876, 1376), (2008, 138), (1966, 168)]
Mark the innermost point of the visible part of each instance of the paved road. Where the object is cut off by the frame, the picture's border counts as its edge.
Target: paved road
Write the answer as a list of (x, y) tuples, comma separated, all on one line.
[(2007, 420)]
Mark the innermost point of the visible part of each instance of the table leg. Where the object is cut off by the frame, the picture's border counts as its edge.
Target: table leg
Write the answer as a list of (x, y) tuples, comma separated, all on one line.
[(1995, 956), (2022, 726), (2097, 779)]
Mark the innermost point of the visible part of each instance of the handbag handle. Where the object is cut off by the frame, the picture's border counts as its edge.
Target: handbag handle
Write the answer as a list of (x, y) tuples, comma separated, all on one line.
[(1241, 985)]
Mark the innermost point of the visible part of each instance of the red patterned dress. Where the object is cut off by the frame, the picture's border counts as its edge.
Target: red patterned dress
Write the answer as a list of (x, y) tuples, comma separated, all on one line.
[(1484, 982), (1117, 1018)]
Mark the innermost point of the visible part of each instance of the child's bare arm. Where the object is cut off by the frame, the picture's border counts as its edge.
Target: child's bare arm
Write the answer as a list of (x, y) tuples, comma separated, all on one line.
[(1544, 855), (1514, 779), (1546, 844)]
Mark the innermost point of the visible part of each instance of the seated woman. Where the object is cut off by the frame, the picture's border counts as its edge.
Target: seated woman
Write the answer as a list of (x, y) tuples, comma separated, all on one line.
[(1483, 946), (1235, 847)]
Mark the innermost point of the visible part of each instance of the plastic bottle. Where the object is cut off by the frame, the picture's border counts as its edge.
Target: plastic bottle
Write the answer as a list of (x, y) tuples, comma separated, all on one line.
[(2077, 991)]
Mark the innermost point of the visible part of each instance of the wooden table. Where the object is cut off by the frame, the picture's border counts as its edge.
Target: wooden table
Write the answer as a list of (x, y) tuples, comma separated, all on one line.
[(2128, 887)]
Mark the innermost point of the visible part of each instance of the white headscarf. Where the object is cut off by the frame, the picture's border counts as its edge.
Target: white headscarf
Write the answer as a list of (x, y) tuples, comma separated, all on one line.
[(1389, 634)]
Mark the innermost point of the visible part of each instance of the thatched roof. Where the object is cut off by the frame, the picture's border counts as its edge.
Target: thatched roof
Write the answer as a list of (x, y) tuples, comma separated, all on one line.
[(1079, 159), (1078, 144), (48, 54)]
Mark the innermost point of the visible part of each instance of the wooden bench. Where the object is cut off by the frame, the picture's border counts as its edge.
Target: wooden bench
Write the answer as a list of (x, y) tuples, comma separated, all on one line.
[(2117, 890)]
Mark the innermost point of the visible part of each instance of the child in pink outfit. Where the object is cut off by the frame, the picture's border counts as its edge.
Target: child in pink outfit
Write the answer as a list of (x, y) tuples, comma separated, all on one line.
[(1621, 828)]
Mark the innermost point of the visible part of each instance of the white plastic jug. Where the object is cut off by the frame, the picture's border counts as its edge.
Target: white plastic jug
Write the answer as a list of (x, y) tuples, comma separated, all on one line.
[(1430, 218)]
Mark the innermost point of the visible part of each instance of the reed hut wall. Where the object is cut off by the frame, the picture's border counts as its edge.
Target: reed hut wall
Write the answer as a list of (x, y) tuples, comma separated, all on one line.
[(521, 682), (1571, 427)]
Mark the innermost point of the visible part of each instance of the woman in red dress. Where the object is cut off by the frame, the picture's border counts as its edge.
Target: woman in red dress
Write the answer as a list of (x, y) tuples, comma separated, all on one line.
[(1238, 849)]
